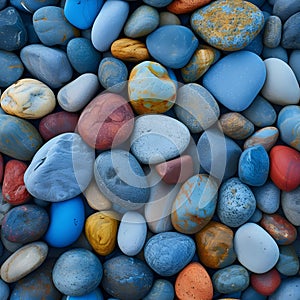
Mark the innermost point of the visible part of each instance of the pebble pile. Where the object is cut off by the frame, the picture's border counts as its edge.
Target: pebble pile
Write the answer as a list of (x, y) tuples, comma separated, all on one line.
[(150, 149)]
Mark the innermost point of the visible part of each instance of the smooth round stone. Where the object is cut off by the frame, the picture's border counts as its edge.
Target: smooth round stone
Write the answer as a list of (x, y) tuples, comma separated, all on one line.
[(256, 217), (266, 137), (196, 107), (260, 112), (19, 139), (132, 233), (231, 279), (250, 294), (141, 22), (236, 126), (215, 245), (94, 295), (288, 123), (61, 169), (236, 79), (185, 6), (289, 289), (256, 250), (167, 18), (267, 283), (82, 14), (156, 138), (236, 203), (193, 282), (294, 63), (112, 74), (52, 27), (28, 99), (284, 9), (25, 223), (66, 222), (11, 68), (232, 25), (30, 6), (101, 231), (195, 204), (288, 263), (5, 291), (278, 52), (150, 89), (46, 64), (167, 253), (218, 154), (82, 55), (267, 197), (254, 166), (22, 262), (161, 289), (77, 272), (75, 95), (121, 179), (106, 121), (57, 123), (291, 206), (281, 86), (13, 34), (175, 39), (109, 24), (272, 32), (290, 33)]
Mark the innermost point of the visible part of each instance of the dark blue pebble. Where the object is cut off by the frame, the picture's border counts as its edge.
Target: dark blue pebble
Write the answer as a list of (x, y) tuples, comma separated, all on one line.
[(291, 33), (278, 52), (3, 4), (285, 8), (251, 294), (32, 37), (31, 6), (257, 2), (161, 289), (256, 45), (256, 217), (4, 290)]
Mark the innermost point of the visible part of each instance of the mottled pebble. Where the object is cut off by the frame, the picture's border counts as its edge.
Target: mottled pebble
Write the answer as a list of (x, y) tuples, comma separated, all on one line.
[(272, 32), (291, 205)]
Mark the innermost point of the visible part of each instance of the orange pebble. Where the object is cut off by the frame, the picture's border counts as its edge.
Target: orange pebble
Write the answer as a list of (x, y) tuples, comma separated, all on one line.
[(185, 6)]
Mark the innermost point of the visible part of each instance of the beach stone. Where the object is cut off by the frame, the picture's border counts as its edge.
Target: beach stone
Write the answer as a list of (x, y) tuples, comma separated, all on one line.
[(11, 68), (257, 216), (3, 4), (66, 165), (196, 107), (127, 277), (288, 289), (179, 40), (52, 27), (30, 6), (156, 138), (260, 112), (215, 245), (121, 179), (157, 3), (49, 65), (195, 204), (285, 9), (106, 121), (23, 261), (161, 289), (162, 93), (194, 281), (294, 63), (291, 206), (82, 14), (184, 6), (1, 168), (228, 24), (254, 166), (4, 290), (167, 18), (290, 34), (77, 272), (75, 95), (236, 203), (162, 252), (283, 92), (109, 24), (272, 32), (256, 46), (13, 34), (256, 250), (82, 55), (93, 295), (28, 99), (288, 263), (278, 52), (234, 278), (251, 293), (19, 139)]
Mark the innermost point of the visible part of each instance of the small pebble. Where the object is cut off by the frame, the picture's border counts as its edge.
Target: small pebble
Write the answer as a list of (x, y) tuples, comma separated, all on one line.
[(272, 32), (278, 52), (157, 3), (167, 18), (288, 262), (184, 6), (291, 205)]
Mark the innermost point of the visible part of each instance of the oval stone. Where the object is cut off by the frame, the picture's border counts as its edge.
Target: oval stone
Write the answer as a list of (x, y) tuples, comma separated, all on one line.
[(167, 18), (161, 289), (284, 9), (291, 205), (272, 32), (184, 6), (288, 262), (289, 289)]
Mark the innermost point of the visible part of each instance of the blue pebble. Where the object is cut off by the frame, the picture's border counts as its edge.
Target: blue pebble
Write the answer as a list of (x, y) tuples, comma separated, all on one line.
[(294, 63), (288, 289), (288, 262), (254, 166), (251, 294), (256, 46), (3, 4), (32, 37), (272, 32), (291, 33), (30, 6), (285, 8), (83, 57), (257, 2), (161, 289), (4, 290), (278, 52), (157, 3), (11, 68), (256, 217), (172, 45), (94, 295)]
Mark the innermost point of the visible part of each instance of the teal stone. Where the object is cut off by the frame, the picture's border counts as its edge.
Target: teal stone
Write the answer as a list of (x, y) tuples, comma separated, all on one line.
[(19, 139), (278, 52), (288, 262)]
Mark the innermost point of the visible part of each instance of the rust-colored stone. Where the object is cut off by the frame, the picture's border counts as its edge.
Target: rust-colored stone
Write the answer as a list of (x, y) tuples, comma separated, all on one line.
[(185, 6)]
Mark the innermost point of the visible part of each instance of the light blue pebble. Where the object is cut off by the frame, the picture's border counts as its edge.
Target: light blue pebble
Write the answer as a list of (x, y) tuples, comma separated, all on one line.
[(256, 217), (157, 3), (288, 262), (251, 294), (272, 32), (141, 22), (4, 290), (30, 6), (278, 52), (94, 295), (294, 63), (162, 289)]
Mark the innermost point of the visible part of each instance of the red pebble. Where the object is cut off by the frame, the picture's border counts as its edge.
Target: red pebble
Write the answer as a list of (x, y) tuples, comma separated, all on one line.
[(1, 167), (13, 188), (285, 167), (176, 170), (267, 283), (57, 123)]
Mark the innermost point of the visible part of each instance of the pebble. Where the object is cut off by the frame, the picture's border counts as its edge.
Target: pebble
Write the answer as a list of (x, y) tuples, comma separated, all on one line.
[(291, 206), (161, 289), (290, 33), (30, 6), (169, 252), (94, 295), (250, 294), (5, 291), (127, 277), (167, 18), (229, 23), (294, 63), (278, 52), (272, 32), (288, 262), (256, 250), (28, 99), (233, 83), (289, 289), (285, 9), (80, 280), (184, 6), (157, 3)]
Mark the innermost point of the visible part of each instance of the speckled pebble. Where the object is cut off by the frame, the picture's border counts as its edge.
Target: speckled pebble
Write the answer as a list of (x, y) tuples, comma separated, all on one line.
[(272, 32)]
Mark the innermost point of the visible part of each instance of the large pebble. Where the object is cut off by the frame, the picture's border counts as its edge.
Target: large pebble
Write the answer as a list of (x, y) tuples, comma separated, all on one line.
[(290, 35), (256, 250), (30, 6), (291, 206), (284, 9), (288, 262), (65, 163), (288, 290), (161, 289), (162, 252)]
